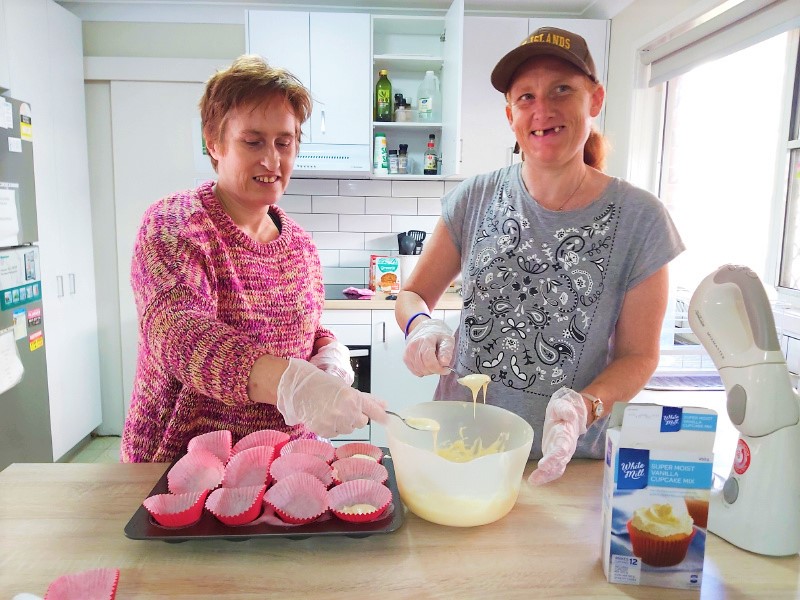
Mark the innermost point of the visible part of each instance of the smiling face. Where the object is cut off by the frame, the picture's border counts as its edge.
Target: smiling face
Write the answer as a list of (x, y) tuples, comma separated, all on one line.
[(550, 109), (256, 153)]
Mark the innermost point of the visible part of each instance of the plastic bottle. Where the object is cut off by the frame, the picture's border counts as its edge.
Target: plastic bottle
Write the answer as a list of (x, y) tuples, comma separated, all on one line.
[(431, 161), (383, 97), (402, 160), (380, 161), (429, 99)]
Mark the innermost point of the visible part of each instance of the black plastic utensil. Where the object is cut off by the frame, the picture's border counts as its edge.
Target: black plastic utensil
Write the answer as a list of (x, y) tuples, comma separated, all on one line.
[(418, 235), (406, 244)]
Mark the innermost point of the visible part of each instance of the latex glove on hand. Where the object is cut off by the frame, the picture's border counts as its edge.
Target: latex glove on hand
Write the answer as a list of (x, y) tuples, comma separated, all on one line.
[(429, 348), (564, 421), (323, 402), (334, 358)]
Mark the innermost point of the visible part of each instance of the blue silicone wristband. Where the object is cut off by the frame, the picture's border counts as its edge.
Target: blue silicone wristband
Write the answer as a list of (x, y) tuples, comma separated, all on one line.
[(414, 316)]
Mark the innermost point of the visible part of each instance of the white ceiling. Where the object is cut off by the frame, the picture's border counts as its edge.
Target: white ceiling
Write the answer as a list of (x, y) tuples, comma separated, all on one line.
[(129, 9)]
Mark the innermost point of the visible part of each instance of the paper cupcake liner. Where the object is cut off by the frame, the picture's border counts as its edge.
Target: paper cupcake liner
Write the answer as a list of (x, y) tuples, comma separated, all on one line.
[(656, 551), (194, 472), (236, 506), (176, 510), (298, 498), (359, 500), (359, 450), (249, 467), (348, 469), (262, 437), (323, 450), (698, 510), (217, 443), (95, 584), (295, 462)]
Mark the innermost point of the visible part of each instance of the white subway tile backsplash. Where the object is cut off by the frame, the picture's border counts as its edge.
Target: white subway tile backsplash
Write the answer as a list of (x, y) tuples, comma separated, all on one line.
[(365, 223), (404, 223), (343, 275), (354, 258), (329, 258), (416, 188), (383, 243), (312, 187), (428, 206), (364, 187), (316, 222), (328, 240), (338, 204), (296, 204), (385, 205)]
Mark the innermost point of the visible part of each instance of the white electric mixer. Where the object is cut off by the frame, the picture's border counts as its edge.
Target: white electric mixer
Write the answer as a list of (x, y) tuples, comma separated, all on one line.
[(758, 508)]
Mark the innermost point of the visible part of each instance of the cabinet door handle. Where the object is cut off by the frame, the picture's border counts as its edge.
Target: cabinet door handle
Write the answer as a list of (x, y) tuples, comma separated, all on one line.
[(322, 122), (461, 151), (59, 286), (71, 277), (383, 325)]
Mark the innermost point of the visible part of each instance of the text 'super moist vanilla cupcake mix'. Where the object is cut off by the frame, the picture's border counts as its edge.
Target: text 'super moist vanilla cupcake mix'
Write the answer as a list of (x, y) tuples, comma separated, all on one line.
[(658, 472)]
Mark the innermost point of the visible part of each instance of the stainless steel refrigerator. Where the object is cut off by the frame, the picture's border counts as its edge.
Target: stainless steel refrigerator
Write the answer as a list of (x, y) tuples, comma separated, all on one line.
[(25, 433)]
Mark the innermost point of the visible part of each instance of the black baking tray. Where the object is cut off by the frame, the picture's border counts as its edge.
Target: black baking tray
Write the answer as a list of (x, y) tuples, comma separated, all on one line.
[(142, 527)]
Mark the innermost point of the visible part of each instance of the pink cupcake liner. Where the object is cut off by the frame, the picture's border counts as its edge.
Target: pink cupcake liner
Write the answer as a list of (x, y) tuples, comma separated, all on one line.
[(295, 462), (236, 506), (194, 472), (323, 450), (298, 498), (350, 501), (348, 469), (176, 510), (262, 437), (94, 584), (249, 467), (216, 442), (359, 450)]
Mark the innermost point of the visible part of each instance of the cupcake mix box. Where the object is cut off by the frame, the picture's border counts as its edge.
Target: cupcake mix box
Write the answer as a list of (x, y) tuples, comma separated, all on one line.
[(658, 474)]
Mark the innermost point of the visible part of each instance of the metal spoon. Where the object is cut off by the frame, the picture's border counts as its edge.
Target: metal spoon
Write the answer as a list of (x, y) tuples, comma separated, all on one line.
[(418, 423)]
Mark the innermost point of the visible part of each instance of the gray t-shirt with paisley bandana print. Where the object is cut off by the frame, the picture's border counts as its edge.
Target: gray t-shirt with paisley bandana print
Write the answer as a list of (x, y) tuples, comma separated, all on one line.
[(543, 290)]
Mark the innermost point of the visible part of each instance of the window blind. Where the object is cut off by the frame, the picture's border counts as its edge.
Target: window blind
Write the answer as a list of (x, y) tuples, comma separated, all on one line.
[(741, 25)]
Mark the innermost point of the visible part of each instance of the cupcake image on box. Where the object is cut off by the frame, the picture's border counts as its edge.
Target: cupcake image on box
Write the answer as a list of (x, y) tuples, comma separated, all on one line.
[(660, 535), (697, 506)]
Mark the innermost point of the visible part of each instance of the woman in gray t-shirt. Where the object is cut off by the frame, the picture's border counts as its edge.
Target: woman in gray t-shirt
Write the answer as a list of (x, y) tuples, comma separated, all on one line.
[(564, 268)]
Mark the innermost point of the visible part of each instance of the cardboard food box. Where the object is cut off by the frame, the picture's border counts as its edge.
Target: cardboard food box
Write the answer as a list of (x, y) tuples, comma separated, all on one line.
[(658, 474), (384, 274)]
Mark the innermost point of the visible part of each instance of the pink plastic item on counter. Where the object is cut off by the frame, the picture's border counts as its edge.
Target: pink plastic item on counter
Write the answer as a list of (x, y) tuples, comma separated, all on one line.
[(94, 584)]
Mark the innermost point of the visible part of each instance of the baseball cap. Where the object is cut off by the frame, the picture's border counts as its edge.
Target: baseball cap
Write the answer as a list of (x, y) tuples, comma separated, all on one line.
[(545, 41)]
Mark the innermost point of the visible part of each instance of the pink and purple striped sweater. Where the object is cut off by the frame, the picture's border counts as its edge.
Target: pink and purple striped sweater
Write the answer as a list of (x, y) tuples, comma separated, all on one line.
[(210, 301)]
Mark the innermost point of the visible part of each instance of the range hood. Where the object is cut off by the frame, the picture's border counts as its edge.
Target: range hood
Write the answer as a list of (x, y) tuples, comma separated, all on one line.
[(331, 160)]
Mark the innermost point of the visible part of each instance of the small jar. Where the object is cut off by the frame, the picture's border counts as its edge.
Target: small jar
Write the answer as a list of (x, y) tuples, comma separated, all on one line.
[(393, 162)]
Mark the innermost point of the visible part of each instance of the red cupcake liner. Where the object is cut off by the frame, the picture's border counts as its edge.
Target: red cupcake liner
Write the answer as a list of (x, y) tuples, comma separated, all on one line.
[(176, 510), (323, 450), (656, 551), (236, 506), (348, 469), (698, 510), (262, 437), (295, 462), (217, 442), (345, 498), (249, 467), (194, 472), (359, 450), (94, 584), (298, 498)]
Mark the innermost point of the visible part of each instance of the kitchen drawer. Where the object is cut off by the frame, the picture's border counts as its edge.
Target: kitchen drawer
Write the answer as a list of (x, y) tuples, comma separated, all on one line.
[(352, 335), (349, 317)]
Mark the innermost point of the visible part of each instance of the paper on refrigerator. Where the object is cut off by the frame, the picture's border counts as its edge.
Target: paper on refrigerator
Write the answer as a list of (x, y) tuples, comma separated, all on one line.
[(9, 218), (11, 369)]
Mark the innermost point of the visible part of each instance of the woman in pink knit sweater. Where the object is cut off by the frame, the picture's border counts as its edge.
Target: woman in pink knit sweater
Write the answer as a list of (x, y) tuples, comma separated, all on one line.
[(229, 289)]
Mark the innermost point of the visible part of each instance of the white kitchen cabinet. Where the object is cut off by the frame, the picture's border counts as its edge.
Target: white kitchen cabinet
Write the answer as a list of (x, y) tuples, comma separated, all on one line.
[(487, 139), (45, 58), (5, 77), (407, 46), (391, 380), (332, 65)]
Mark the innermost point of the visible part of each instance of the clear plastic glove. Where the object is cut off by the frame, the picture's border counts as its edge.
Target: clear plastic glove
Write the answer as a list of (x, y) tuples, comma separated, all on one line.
[(334, 358), (323, 402), (564, 421), (429, 348)]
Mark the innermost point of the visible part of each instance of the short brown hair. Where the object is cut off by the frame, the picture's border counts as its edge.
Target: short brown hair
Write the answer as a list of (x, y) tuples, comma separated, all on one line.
[(249, 80)]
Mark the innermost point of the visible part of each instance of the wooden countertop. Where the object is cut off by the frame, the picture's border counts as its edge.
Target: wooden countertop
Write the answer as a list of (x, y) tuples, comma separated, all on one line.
[(62, 518), (449, 301)]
